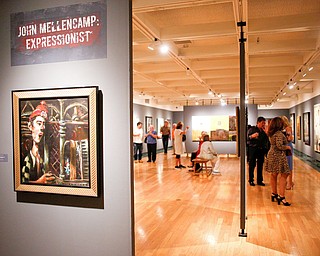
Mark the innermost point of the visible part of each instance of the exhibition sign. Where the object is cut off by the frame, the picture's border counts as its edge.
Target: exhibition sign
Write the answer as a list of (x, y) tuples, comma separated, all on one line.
[(66, 33)]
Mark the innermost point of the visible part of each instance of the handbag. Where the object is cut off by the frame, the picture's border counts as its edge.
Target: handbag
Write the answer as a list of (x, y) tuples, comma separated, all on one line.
[(184, 137), (288, 152), (145, 139)]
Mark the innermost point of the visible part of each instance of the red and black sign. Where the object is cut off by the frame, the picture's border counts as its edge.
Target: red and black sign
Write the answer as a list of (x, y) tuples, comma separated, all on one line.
[(75, 32)]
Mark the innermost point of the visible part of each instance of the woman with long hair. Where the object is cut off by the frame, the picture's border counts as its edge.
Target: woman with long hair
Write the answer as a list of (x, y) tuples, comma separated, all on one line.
[(287, 130), (277, 161)]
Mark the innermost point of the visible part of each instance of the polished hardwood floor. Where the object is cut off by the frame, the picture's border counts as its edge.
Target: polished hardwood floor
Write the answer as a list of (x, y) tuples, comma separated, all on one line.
[(178, 214)]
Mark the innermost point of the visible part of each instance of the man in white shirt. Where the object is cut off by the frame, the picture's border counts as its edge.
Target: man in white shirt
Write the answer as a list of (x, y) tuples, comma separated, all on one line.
[(137, 143), (208, 152)]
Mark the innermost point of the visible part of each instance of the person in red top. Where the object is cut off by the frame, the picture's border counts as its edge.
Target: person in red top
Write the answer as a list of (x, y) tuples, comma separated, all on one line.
[(194, 154)]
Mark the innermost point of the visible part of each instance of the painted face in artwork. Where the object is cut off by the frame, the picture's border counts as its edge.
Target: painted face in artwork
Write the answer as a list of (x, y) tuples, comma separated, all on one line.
[(37, 127)]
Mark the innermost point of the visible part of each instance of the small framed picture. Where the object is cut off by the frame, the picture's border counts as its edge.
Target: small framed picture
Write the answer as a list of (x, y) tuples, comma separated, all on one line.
[(299, 127), (306, 128), (316, 124), (292, 123), (148, 123)]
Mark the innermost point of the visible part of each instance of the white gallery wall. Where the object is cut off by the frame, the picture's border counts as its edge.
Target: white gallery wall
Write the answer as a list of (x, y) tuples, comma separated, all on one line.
[(47, 229)]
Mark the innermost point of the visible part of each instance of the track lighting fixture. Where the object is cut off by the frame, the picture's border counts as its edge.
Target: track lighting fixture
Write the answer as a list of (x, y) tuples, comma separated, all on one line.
[(291, 85), (154, 44), (157, 44), (164, 48), (210, 92)]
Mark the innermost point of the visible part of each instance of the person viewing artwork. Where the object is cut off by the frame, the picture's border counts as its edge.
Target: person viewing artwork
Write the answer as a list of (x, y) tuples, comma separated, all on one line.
[(207, 152), (194, 154), (287, 131), (258, 145), (165, 132), (178, 144), (33, 166), (276, 162), (152, 137), (172, 138), (138, 143)]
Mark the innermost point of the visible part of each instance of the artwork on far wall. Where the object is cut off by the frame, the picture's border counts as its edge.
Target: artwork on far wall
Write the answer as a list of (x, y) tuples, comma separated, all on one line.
[(219, 128), (316, 121), (292, 123), (56, 140), (299, 127), (148, 122), (160, 123), (306, 128)]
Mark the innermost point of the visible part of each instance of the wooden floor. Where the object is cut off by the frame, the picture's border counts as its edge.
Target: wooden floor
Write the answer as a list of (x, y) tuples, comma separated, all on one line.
[(177, 213)]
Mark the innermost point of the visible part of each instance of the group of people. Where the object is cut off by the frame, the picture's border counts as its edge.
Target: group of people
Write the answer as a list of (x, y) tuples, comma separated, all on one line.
[(270, 148), (151, 139), (273, 149), (205, 149)]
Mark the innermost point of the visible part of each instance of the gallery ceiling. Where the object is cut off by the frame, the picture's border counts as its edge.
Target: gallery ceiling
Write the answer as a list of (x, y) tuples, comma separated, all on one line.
[(282, 44)]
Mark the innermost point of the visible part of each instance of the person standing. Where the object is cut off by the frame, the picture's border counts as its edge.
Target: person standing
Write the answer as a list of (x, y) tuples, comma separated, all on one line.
[(152, 144), (165, 132), (287, 131), (276, 162), (178, 144), (138, 143), (172, 138), (258, 145)]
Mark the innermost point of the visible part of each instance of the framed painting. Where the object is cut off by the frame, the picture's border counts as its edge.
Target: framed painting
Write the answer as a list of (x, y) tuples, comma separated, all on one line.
[(160, 123), (148, 123), (316, 122), (55, 141), (299, 127), (219, 128), (292, 123), (306, 128)]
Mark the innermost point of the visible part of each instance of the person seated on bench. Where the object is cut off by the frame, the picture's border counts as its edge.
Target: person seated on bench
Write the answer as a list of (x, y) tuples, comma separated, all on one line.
[(207, 152), (194, 154)]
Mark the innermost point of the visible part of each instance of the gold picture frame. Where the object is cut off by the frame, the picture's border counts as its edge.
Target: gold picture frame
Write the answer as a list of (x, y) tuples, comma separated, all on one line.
[(306, 128), (55, 140), (299, 127)]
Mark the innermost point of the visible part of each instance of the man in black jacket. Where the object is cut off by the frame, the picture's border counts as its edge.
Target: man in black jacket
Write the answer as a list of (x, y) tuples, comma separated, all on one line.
[(258, 146)]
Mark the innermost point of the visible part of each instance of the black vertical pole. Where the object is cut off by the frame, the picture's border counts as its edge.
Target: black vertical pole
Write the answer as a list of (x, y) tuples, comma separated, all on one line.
[(242, 133)]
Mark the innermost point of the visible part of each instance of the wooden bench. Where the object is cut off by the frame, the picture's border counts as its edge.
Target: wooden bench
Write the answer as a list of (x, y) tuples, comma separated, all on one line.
[(205, 171)]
